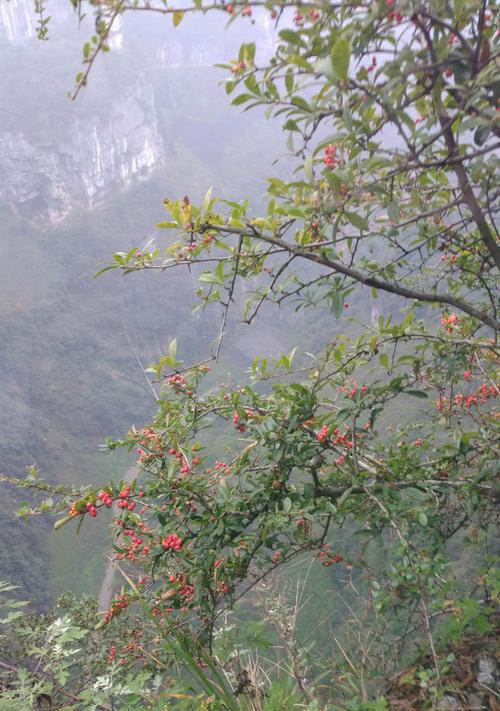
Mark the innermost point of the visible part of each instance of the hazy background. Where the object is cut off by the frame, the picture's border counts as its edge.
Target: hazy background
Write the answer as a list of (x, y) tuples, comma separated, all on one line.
[(79, 180)]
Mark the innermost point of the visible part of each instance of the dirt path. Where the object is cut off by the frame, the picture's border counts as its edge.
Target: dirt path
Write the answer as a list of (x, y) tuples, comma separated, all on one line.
[(106, 590)]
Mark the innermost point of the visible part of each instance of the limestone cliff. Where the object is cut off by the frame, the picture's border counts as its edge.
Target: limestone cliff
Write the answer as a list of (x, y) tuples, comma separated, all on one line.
[(50, 177)]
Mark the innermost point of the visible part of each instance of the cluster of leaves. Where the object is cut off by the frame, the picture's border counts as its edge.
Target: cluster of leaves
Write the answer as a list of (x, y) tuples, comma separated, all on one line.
[(376, 455)]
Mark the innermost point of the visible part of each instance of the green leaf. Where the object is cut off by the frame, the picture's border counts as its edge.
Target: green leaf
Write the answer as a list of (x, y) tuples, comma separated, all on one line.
[(481, 625), (301, 103), (334, 182), (308, 167), (417, 393), (357, 221), (178, 16), (291, 37), (341, 57), (241, 99), (481, 135), (337, 304), (344, 496), (393, 212), (324, 66), (287, 504), (422, 518), (167, 225), (384, 360), (62, 522)]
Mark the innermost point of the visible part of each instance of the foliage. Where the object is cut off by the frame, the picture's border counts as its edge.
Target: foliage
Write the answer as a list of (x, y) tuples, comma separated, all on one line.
[(376, 455)]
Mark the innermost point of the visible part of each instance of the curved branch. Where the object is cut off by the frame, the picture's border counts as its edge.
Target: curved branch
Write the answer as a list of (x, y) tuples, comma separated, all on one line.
[(362, 278)]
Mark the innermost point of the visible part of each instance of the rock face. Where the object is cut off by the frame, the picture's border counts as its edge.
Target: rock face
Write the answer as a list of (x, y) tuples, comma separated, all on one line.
[(50, 178), (46, 173)]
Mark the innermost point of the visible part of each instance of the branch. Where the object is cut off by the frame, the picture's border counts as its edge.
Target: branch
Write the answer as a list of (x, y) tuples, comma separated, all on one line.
[(362, 278), (335, 492), (458, 166)]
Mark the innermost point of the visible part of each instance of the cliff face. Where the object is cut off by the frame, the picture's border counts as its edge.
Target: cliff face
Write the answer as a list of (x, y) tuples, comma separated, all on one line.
[(49, 178), (76, 158), (45, 174)]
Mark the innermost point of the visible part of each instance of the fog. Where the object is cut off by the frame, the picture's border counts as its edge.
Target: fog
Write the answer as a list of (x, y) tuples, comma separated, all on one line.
[(79, 180)]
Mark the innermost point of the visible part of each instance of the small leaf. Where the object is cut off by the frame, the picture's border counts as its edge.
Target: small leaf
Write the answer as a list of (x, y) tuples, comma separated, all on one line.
[(178, 17), (301, 103), (417, 393), (481, 135), (308, 168), (384, 360), (241, 99), (287, 504), (422, 518), (357, 221), (393, 212), (62, 522), (341, 57), (324, 66), (291, 37)]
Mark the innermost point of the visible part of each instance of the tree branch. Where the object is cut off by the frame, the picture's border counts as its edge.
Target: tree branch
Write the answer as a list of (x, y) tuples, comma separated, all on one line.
[(362, 278)]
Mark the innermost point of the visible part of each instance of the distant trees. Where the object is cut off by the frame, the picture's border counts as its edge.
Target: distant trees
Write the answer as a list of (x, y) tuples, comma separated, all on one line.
[(377, 455)]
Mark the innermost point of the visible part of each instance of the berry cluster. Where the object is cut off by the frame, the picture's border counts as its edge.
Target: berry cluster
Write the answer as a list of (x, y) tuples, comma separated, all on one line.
[(327, 559), (220, 467), (311, 14), (172, 542), (124, 501), (81, 507), (117, 606), (340, 439), (480, 397), (185, 468), (450, 322), (91, 509), (239, 426), (330, 160), (152, 442), (323, 433), (353, 389), (183, 589), (106, 498), (393, 14), (178, 383), (236, 68), (449, 258), (136, 547)]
